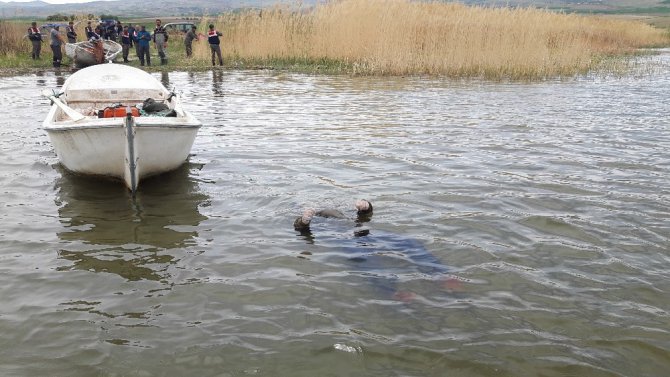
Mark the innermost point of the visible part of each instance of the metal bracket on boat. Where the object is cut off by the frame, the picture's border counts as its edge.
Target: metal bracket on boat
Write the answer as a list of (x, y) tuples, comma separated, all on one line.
[(130, 174), (72, 113)]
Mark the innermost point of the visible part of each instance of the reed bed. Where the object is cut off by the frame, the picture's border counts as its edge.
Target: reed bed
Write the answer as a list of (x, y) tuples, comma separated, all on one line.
[(12, 39), (399, 37)]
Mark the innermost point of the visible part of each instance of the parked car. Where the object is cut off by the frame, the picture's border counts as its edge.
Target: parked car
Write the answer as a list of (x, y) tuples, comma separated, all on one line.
[(181, 27)]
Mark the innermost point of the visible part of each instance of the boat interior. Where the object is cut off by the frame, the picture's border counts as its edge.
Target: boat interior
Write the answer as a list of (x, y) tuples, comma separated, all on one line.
[(102, 105)]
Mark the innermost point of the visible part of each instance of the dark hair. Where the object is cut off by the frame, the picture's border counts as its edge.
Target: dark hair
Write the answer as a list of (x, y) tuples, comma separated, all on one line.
[(211, 26)]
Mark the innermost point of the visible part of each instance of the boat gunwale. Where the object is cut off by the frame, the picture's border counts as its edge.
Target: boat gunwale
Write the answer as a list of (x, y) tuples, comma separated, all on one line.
[(74, 127)]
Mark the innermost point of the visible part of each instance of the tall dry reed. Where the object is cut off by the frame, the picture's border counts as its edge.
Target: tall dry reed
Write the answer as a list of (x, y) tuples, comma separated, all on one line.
[(411, 37), (13, 38)]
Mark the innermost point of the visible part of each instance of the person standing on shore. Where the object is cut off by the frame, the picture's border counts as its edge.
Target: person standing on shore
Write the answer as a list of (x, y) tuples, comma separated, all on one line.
[(136, 30), (118, 28), (144, 42), (188, 41), (71, 34), (89, 31), (56, 43), (126, 42), (36, 39), (214, 43), (160, 39)]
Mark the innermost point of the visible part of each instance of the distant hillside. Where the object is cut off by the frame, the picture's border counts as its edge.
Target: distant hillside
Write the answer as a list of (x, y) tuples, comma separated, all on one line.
[(148, 8), (185, 8)]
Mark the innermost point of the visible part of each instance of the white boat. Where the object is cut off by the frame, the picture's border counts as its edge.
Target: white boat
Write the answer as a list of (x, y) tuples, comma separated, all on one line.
[(88, 53), (128, 147)]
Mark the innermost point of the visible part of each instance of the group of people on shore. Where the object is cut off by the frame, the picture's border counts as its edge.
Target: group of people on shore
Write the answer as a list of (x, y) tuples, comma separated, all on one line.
[(128, 36)]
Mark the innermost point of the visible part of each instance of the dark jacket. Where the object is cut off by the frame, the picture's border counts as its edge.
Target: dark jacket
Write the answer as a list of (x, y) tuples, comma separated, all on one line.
[(213, 37), (34, 34), (71, 34)]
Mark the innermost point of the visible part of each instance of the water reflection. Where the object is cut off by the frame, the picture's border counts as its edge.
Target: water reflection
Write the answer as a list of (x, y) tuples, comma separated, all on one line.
[(60, 79), (108, 231), (41, 81), (217, 81), (165, 79)]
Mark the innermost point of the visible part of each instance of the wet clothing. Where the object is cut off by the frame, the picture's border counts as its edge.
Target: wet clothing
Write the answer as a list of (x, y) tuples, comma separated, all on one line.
[(381, 259), (71, 34), (215, 45), (161, 38), (36, 39)]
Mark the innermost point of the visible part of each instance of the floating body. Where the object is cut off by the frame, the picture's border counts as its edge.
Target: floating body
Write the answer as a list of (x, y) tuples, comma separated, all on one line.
[(128, 148), (382, 258)]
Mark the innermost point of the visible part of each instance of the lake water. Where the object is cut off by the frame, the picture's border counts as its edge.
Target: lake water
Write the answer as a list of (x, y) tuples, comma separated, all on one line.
[(542, 210)]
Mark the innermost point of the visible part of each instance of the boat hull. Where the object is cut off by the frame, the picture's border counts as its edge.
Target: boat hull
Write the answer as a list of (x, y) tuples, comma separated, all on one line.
[(89, 139), (102, 150), (83, 53)]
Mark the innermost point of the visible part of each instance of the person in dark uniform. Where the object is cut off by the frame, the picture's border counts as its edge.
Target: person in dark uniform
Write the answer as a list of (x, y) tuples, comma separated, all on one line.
[(214, 43), (89, 31), (118, 28), (71, 33), (126, 42), (188, 41), (160, 39), (35, 37), (99, 32), (377, 257), (110, 31)]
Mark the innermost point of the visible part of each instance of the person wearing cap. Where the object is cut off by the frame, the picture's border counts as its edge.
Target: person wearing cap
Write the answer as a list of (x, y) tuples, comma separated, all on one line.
[(188, 41), (214, 43), (71, 33), (35, 37)]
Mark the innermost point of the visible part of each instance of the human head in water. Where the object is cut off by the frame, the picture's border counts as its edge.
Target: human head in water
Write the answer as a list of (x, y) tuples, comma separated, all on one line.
[(363, 207)]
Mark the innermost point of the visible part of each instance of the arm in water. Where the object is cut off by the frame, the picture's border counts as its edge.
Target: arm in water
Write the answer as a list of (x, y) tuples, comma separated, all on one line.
[(381, 258)]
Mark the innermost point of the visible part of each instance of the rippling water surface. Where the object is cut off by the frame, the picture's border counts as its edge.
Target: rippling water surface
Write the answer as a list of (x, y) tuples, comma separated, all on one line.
[(520, 229)]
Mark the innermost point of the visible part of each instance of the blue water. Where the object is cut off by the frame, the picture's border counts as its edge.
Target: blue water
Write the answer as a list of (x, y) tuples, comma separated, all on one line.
[(526, 225)]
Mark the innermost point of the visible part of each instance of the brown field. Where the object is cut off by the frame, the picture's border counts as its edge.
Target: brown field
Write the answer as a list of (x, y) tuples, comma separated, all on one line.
[(401, 37)]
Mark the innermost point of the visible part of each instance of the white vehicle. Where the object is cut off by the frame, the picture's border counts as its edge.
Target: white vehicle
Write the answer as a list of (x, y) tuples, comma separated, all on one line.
[(97, 127)]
